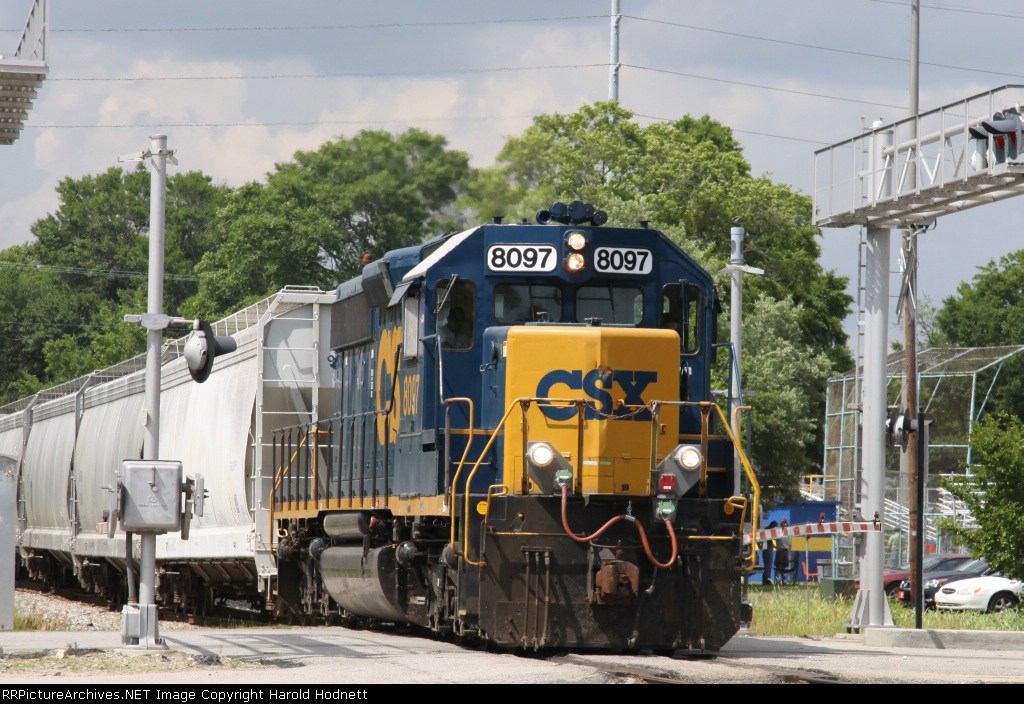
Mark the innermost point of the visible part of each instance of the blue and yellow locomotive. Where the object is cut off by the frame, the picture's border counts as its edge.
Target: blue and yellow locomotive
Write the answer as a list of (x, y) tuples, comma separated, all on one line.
[(526, 449)]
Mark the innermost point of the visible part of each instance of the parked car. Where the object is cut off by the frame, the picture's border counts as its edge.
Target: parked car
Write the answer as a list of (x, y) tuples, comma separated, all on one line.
[(934, 580), (891, 578), (992, 593)]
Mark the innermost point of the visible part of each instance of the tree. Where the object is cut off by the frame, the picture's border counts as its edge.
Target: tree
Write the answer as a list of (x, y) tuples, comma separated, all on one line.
[(694, 183), (788, 376), (65, 317), (318, 215), (994, 494), (688, 178), (989, 310)]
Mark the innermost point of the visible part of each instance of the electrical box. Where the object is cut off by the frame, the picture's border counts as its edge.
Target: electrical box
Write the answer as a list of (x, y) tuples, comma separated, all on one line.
[(151, 498)]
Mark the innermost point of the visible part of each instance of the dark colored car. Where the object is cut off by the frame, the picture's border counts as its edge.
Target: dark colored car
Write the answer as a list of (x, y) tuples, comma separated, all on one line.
[(891, 578), (934, 580)]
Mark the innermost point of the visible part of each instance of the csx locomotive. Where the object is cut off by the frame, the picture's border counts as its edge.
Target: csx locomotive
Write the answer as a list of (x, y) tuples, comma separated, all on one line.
[(525, 448), (505, 434)]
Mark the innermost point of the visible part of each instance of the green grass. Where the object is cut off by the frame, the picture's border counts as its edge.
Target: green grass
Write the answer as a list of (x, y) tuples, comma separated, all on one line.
[(801, 611)]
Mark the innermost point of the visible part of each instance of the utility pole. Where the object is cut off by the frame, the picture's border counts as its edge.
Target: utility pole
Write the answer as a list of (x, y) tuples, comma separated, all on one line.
[(613, 54), (909, 465)]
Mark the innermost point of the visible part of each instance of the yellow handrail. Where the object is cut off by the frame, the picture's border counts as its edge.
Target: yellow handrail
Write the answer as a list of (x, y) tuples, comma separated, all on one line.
[(458, 471), (285, 468), (747, 469), (479, 461)]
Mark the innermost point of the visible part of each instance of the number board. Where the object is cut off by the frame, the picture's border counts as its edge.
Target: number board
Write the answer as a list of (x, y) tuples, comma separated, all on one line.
[(522, 257), (622, 260)]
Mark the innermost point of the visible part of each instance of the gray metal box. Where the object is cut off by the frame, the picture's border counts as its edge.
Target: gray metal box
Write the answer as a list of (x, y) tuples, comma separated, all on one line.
[(152, 496)]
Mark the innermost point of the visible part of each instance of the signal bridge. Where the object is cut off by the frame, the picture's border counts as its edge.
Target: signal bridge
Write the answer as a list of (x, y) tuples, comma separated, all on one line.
[(22, 75), (946, 160)]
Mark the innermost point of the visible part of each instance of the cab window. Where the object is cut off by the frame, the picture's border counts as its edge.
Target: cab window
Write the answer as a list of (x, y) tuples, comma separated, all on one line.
[(680, 311), (515, 304), (618, 305), (411, 327), (457, 314)]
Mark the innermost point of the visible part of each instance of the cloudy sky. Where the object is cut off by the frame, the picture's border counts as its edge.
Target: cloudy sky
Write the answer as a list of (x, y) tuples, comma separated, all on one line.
[(459, 68)]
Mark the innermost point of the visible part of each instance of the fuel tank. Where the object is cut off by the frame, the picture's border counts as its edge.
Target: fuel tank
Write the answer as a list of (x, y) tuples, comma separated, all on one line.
[(368, 585)]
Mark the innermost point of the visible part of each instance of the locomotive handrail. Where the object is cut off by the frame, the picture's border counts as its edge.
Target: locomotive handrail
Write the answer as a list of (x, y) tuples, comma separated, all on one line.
[(483, 453), (706, 407), (309, 429), (462, 461), (755, 486)]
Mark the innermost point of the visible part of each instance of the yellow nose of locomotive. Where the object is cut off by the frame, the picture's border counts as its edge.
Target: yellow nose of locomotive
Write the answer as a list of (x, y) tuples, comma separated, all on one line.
[(600, 382)]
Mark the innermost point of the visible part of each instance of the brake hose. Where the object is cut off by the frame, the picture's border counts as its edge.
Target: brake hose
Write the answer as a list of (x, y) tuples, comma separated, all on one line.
[(612, 521)]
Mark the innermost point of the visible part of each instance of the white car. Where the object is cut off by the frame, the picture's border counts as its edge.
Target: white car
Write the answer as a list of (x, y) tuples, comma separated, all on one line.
[(991, 593)]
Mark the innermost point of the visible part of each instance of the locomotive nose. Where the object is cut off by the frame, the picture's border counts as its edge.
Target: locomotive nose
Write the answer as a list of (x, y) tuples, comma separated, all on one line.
[(590, 392)]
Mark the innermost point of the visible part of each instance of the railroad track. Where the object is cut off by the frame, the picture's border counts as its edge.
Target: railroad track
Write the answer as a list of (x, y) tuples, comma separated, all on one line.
[(658, 675), (228, 616)]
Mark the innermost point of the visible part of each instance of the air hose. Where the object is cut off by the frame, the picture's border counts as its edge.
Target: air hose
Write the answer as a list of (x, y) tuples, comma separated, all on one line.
[(612, 521)]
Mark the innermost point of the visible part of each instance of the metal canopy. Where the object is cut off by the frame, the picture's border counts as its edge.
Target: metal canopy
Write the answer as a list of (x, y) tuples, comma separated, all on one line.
[(946, 361), (936, 147), (955, 385), (23, 75)]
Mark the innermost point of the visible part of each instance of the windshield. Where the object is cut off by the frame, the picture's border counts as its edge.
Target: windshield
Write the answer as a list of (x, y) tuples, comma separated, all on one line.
[(515, 304), (973, 566), (928, 563), (618, 305)]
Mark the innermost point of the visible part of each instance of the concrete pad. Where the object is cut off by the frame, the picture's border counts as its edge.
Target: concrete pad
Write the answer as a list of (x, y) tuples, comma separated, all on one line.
[(944, 639)]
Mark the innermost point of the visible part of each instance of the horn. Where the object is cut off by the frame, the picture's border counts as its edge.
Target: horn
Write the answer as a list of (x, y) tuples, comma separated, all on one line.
[(543, 217)]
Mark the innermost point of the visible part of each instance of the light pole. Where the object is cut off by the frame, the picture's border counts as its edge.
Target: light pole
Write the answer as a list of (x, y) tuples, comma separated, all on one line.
[(737, 268), (139, 623)]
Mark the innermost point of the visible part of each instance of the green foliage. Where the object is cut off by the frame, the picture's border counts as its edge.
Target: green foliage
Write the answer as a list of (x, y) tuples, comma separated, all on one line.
[(989, 310), (61, 325), (318, 215), (311, 224), (994, 494), (788, 376)]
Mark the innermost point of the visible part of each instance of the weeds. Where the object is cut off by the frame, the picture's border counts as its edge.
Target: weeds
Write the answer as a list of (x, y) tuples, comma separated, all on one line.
[(34, 620)]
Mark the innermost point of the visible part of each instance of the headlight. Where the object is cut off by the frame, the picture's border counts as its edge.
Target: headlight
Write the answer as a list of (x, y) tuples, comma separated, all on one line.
[(575, 262), (576, 241), (542, 455), (688, 457), (935, 583), (967, 591)]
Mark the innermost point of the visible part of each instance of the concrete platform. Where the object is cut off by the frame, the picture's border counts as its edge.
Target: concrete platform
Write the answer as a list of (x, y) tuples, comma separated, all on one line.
[(944, 639)]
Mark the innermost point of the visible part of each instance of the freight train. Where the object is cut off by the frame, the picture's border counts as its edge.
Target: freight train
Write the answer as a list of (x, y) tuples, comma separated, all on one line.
[(506, 434)]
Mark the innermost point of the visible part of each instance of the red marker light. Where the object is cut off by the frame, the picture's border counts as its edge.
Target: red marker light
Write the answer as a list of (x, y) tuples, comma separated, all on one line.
[(667, 483)]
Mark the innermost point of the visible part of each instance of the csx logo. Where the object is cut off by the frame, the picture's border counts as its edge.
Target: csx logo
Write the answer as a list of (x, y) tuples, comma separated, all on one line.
[(598, 385)]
